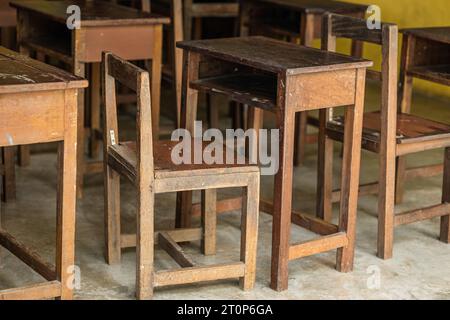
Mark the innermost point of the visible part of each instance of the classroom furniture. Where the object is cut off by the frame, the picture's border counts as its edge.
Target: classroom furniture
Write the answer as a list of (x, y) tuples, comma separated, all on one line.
[(44, 99), (285, 78), (147, 164), (297, 21), (389, 132), (135, 35), (425, 55)]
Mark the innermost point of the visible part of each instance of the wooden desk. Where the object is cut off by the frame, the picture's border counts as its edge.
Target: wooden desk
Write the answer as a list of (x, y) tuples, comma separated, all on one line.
[(300, 22), (425, 55), (43, 100), (127, 32), (285, 79)]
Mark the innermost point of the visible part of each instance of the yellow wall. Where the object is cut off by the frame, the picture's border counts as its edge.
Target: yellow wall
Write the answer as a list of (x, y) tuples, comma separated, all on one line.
[(409, 14)]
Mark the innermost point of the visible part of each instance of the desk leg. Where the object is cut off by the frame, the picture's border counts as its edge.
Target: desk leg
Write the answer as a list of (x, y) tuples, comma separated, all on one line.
[(80, 70), (282, 191), (66, 199), (301, 122), (95, 110), (189, 100), (156, 80), (405, 95), (9, 174), (350, 173)]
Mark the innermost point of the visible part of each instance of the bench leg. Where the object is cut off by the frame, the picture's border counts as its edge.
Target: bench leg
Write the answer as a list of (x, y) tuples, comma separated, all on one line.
[(445, 220), (209, 221), (249, 232)]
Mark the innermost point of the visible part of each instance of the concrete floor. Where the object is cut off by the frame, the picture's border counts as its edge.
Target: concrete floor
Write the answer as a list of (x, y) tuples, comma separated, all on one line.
[(419, 269)]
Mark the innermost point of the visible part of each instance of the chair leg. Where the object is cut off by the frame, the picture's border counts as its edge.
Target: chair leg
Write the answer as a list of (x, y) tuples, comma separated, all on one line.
[(9, 174), (249, 232), (144, 244), (95, 110), (324, 206), (445, 220), (213, 111), (23, 157), (112, 216), (209, 221), (301, 131), (400, 179)]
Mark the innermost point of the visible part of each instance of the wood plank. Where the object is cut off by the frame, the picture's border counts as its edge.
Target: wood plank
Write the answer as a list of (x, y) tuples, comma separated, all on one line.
[(303, 220), (199, 274), (45, 290), (422, 214), (32, 259), (178, 235), (319, 245), (174, 250), (222, 206)]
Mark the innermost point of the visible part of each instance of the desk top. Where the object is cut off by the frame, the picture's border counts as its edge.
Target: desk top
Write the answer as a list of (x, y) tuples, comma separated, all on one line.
[(318, 6), (93, 13), (18, 73), (441, 34), (273, 55)]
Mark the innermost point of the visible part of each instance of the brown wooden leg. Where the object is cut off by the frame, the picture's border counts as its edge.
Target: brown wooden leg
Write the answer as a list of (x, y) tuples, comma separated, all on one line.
[(66, 199), (187, 20), (249, 231), (7, 37), (282, 193), (350, 174), (189, 101), (144, 244), (209, 221), (80, 70), (213, 111), (156, 81), (445, 220), (301, 118), (255, 121), (324, 206), (177, 65), (95, 110), (405, 96), (112, 216), (9, 174)]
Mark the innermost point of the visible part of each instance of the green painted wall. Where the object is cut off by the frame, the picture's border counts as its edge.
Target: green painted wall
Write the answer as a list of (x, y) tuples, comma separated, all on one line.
[(408, 14)]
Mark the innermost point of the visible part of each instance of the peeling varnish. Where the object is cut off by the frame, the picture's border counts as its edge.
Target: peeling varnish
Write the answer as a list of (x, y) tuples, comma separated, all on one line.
[(16, 77), (9, 138)]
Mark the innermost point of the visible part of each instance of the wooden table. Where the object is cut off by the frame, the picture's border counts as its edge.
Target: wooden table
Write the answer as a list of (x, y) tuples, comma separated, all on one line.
[(129, 33), (286, 79), (301, 22), (425, 55), (43, 100)]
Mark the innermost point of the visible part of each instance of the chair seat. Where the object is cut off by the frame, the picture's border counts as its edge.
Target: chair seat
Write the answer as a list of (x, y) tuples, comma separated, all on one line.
[(410, 128), (125, 155)]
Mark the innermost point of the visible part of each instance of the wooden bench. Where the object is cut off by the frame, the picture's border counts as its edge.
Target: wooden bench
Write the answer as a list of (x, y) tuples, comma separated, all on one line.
[(147, 164), (266, 74), (44, 99), (389, 132)]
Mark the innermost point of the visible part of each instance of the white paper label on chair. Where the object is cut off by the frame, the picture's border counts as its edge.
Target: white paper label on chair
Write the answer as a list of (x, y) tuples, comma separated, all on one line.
[(113, 137)]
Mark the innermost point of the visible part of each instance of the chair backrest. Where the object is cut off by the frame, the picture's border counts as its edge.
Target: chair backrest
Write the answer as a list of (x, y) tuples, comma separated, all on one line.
[(138, 80), (339, 26)]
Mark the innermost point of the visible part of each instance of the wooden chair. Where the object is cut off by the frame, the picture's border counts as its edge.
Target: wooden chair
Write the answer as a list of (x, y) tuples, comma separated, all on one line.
[(388, 132), (147, 164)]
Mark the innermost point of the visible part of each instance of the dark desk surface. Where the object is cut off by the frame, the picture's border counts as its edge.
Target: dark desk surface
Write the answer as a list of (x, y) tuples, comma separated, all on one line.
[(273, 55), (19, 73), (93, 13), (318, 6), (441, 34)]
